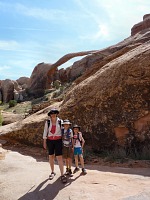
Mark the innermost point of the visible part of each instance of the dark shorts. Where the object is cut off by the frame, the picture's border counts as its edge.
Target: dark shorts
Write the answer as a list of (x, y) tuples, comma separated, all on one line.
[(67, 152), (54, 147)]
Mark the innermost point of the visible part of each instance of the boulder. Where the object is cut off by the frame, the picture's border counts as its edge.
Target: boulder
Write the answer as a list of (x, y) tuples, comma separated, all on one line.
[(39, 81), (7, 88), (9, 117), (23, 80)]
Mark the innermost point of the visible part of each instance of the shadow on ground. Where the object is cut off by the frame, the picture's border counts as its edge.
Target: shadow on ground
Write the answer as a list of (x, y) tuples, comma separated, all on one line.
[(47, 193)]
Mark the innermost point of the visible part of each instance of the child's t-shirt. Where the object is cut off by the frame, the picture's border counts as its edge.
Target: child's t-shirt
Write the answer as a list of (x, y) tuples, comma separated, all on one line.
[(77, 140), (67, 137)]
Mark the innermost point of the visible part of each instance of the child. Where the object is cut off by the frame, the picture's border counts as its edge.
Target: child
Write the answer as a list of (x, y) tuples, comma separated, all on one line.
[(67, 140), (78, 143)]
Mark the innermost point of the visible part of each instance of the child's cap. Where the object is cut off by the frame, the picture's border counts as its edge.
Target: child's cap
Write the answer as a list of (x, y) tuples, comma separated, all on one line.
[(66, 121), (76, 126)]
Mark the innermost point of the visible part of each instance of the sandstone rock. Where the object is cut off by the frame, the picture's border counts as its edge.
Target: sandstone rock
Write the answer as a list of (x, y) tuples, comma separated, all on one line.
[(145, 24), (23, 80), (39, 81), (116, 95), (7, 88), (9, 117), (28, 130)]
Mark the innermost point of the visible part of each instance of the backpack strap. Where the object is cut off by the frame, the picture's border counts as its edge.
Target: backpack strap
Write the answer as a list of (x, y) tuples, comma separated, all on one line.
[(68, 133), (48, 124)]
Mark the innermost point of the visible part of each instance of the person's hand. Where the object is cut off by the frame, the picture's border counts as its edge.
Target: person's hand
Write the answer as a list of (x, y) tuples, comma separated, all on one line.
[(44, 144)]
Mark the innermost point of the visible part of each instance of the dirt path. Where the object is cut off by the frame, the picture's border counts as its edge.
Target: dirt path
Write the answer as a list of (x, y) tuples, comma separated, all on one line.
[(26, 178)]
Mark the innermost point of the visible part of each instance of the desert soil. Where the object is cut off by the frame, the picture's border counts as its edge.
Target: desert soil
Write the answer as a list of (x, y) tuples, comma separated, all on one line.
[(25, 177)]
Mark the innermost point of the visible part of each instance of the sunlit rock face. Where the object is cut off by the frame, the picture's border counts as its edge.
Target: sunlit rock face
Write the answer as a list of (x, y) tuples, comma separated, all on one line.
[(141, 26), (110, 103)]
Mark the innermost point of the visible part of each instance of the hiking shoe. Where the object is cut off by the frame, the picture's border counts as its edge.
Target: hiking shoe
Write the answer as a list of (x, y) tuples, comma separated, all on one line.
[(70, 173), (76, 170), (63, 179), (67, 171), (84, 171), (51, 176)]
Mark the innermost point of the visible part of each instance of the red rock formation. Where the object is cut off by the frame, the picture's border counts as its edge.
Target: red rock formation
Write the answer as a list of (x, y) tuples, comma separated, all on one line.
[(39, 81), (145, 24), (118, 94), (7, 88)]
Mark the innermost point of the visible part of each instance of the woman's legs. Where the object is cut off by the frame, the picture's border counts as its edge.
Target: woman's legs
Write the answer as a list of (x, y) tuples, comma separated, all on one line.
[(51, 161), (60, 163)]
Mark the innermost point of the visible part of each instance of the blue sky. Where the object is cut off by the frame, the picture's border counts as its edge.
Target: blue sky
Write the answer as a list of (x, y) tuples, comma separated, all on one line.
[(34, 31)]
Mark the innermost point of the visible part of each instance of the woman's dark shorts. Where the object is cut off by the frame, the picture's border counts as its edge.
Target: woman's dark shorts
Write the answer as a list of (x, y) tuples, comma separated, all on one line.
[(54, 147)]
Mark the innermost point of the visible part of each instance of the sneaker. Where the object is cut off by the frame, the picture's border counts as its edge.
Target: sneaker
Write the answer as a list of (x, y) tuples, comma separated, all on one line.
[(51, 176), (63, 179), (76, 170), (70, 173), (67, 171), (84, 171)]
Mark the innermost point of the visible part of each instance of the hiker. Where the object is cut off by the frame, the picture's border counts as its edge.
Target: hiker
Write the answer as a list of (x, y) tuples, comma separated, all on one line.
[(78, 143), (52, 140), (67, 139)]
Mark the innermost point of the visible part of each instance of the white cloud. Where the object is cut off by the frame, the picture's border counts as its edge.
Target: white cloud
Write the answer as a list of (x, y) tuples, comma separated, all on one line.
[(8, 45), (112, 19), (45, 14), (102, 33)]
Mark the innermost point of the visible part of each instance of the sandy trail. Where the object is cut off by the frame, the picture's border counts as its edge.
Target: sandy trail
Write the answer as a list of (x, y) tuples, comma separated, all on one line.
[(25, 178)]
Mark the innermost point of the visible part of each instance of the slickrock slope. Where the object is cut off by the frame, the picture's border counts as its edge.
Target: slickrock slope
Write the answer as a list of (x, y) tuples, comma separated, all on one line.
[(109, 103)]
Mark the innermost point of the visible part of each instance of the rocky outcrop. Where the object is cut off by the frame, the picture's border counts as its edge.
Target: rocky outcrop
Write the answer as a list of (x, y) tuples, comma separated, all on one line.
[(23, 82), (9, 117), (28, 130), (145, 24), (108, 104), (39, 81), (7, 88)]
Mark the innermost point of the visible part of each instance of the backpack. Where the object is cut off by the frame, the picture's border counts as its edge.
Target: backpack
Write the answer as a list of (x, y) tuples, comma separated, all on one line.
[(48, 123)]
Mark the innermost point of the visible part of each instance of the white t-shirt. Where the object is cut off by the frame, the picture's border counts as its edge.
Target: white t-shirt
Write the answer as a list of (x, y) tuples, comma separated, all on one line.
[(77, 143)]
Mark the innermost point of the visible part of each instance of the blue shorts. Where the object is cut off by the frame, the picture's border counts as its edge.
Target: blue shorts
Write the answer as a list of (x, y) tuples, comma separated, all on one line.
[(77, 151)]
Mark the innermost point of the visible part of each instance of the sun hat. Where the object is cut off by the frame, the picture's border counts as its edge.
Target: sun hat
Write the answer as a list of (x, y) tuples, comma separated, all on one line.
[(53, 111), (76, 126), (66, 121)]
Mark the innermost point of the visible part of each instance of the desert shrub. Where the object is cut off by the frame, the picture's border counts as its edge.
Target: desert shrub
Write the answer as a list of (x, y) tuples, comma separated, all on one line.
[(12, 103)]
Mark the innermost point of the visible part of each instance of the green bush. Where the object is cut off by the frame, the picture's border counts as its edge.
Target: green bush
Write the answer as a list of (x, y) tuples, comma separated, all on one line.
[(1, 102), (12, 103)]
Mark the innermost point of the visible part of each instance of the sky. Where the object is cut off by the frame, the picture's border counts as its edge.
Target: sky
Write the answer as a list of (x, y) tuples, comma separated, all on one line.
[(35, 31)]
